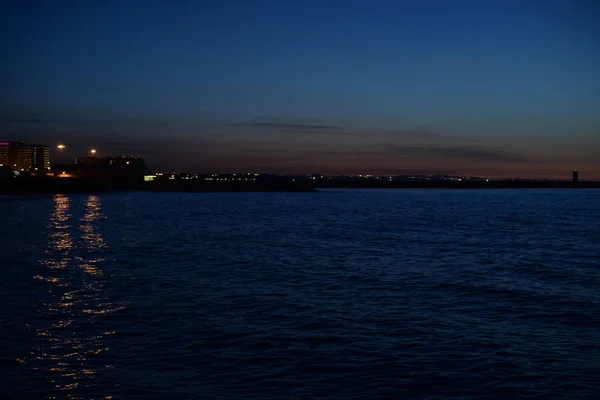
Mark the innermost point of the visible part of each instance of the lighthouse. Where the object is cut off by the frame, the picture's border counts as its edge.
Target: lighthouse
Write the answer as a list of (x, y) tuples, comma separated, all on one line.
[(575, 175)]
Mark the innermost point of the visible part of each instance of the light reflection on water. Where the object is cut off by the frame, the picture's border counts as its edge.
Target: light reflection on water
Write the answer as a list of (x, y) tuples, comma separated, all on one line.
[(484, 294), (66, 356)]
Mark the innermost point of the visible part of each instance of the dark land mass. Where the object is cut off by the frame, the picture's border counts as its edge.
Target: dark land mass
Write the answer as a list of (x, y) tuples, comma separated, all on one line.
[(28, 186), (282, 185), (68, 185), (506, 184)]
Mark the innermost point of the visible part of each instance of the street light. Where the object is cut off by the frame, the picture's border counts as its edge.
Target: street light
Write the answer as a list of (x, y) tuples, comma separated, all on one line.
[(61, 147), (93, 151)]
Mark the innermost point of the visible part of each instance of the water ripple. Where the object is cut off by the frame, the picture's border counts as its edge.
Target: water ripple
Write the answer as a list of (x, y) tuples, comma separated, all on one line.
[(343, 294)]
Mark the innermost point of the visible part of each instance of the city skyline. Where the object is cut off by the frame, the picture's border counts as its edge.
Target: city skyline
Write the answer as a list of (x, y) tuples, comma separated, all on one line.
[(502, 89), (63, 159), (63, 154)]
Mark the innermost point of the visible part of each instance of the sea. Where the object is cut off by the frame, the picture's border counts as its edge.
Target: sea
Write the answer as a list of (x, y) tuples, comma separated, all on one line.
[(339, 294)]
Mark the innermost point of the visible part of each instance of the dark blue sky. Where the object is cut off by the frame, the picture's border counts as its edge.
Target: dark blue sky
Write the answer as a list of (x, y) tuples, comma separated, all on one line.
[(493, 88)]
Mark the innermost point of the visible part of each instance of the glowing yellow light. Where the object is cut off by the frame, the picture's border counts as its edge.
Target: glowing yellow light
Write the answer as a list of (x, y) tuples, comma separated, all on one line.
[(93, 151), (61, 146)]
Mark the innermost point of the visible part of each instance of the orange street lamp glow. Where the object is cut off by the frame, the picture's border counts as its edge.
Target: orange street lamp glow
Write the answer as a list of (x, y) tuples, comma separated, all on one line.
[(61, 146), (93, 151)]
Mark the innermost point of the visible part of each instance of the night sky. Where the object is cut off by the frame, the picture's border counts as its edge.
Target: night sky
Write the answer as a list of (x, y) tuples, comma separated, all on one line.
[(488, 88)]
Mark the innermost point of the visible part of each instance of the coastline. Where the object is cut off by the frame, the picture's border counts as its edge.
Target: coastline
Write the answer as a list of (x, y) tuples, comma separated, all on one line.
[(53, 186), (509, 184)]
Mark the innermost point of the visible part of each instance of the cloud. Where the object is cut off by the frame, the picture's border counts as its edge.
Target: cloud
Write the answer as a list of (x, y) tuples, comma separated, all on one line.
[(478, 154), (79, 122), (422, 135), (271, 125), (234, 142), (321, 129), (419, 135)]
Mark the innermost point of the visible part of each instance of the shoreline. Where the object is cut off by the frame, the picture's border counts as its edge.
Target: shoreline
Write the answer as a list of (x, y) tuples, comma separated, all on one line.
[(461, 185), (42, 187)]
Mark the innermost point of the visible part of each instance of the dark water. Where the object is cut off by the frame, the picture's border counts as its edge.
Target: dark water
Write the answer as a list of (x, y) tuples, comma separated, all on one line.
[(343, 294)]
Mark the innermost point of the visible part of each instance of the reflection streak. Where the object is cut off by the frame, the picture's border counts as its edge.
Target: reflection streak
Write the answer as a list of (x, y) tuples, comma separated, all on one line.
[(68, 351)]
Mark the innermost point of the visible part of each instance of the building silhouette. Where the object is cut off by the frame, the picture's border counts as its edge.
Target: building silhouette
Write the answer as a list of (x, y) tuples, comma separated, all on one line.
[(575, 175), (108, 161), (117, 168), (25, 157), (7, 157)]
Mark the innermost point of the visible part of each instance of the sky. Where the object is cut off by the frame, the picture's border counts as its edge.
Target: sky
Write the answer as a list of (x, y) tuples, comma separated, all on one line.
[(483, 88)]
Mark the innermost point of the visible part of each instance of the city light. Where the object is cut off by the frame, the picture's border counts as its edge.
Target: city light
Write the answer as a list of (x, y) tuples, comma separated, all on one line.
[(93, 151), (61, 146)]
